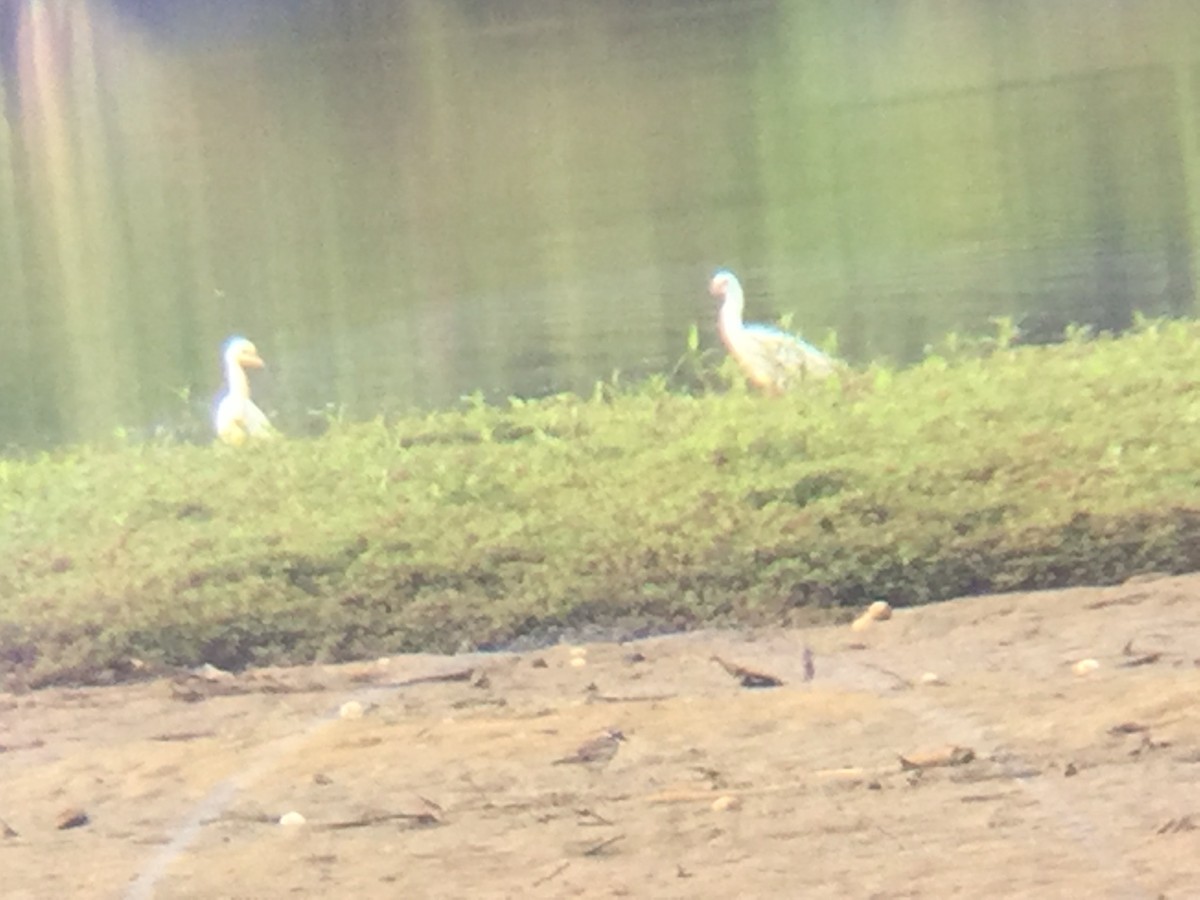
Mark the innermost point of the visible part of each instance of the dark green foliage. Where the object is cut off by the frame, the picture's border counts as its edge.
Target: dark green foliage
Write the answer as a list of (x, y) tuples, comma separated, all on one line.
[(640, 509)]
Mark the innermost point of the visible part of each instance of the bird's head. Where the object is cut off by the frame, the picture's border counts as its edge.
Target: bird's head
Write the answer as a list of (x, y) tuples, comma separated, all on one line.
[(722, 283), (615, 734), (240, 351)]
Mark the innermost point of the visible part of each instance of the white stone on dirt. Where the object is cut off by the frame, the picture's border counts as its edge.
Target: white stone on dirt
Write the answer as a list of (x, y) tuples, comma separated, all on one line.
[(726, 803), (880, 610)]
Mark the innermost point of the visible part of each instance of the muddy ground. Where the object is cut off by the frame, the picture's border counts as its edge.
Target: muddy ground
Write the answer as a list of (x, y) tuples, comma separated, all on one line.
[(1076, 785)]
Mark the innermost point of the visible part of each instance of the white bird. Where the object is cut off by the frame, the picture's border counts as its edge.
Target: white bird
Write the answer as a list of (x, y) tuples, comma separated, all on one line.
[(238, 419), (771, 359)]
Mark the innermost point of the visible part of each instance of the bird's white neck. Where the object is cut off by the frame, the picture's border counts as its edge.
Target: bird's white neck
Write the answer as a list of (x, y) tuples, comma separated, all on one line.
[(235, 377), (730, 318)]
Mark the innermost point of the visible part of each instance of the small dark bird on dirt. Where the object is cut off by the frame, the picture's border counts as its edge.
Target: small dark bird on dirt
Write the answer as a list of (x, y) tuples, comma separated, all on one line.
[(810, 669), (748, 678), (597, 752)]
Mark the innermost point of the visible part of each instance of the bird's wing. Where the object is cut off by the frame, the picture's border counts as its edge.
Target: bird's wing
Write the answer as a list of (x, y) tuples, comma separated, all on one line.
[(255, 420), (238, 418), (786, 357)]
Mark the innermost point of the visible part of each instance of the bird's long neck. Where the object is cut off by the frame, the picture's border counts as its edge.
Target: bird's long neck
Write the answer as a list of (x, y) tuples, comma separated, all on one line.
[(730, 319), (235, 377)]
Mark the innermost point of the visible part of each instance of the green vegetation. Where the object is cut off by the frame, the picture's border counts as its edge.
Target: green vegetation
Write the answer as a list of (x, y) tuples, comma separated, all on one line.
[(989, 468)]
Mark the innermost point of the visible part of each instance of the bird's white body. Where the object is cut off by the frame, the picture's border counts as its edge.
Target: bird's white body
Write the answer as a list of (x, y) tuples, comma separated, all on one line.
[(771, 359), (238, 419)]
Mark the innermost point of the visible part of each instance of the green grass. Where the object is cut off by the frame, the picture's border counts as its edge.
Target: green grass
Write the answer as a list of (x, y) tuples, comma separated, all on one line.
[(638, 508)]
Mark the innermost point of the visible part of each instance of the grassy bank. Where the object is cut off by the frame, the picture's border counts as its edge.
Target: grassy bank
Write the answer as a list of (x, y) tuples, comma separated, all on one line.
[(640, 508)]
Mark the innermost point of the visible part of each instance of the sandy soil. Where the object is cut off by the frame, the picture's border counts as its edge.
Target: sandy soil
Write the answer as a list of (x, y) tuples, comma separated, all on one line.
[(1079, 786)]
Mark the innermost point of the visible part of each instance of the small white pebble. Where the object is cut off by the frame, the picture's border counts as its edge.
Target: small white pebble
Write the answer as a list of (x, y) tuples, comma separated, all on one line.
[(1084, 666), (578, 662), (292, 818), (351, 709), (726, 803), (383, 662), (931, 678)]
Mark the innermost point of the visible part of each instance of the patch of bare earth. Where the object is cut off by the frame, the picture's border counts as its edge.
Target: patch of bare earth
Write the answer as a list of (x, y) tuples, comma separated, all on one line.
[(1022, 777)]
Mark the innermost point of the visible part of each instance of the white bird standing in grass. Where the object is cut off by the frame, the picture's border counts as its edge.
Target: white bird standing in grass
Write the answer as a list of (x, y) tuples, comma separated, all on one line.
[(771, 359), (238, 419)]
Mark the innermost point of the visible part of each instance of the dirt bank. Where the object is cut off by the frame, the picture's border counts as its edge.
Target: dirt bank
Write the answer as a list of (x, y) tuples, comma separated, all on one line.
[(1076, 784)]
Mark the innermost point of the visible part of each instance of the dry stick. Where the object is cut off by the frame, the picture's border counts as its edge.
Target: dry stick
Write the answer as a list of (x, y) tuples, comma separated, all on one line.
[(603, 845), (1175, 826), (687, 796), (379, 819), (236, 816), (647, 698), (1124, 600), (558, 871), (901, 681), (24, 745), (169, 736), (456, 675), (595, 816), (1144, 660)]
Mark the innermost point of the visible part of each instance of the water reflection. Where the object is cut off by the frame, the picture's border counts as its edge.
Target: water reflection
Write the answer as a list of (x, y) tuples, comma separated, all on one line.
[(409, 202)]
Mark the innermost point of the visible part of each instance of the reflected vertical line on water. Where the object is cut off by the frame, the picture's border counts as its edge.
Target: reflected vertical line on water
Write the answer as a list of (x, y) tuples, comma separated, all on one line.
[(145, 127), (798, 153), (16, 331), (329, 288), (58, 239), (271, 288), (1185, 76), (556, 170), (80, 223), (107, 353), (439, 252), (1006, 55), (181, 308)]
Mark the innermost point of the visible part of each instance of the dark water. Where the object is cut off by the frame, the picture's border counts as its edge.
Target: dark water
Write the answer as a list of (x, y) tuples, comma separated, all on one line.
[(405, 202)]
